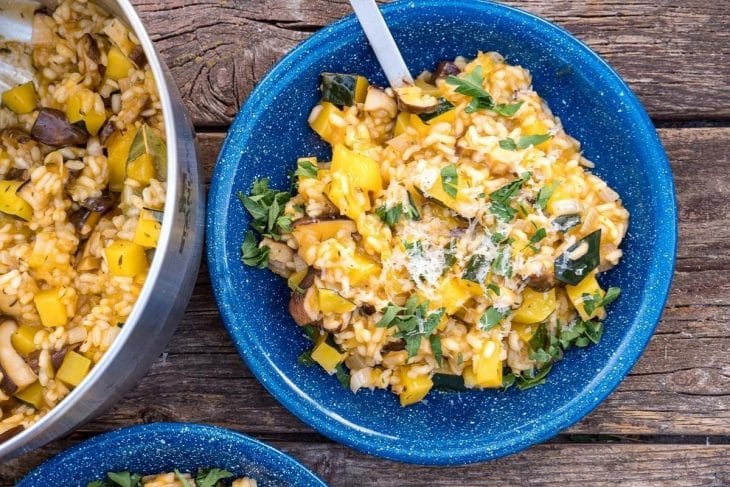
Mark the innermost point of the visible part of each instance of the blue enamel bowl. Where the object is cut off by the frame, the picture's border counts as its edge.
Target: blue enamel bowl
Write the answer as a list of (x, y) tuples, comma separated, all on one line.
[(163, 447), (595, 106)]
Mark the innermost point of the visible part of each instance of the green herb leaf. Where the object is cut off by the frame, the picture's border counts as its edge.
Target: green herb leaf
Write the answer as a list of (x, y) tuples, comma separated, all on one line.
[(526, 382), (612, 295), (253, 255), (312, 332), (411, 211), (389, 216), (507, 109), (413, 343), (182, 479), (305, 358), (544, 195), (540, 234), (524, 142), (125, 479), (97, 483), (572, 271), (146, 141), (471, 84), (343, 375), (389, 314), (507, 192), (502, 264), (443, 107), (563, 223), (494, 288), (436, 349), (306, 167), (266, 207), (491, 318), (508, 380), (449, 255), (476, 268), (450, 180), (210, 477)]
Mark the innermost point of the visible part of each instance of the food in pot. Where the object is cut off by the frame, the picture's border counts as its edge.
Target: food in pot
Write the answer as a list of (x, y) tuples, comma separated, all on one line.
[(455, 240), (205, 477), (82, 188)]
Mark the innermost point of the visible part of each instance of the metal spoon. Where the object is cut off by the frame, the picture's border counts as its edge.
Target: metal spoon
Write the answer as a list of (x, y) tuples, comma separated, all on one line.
[(382, 42)]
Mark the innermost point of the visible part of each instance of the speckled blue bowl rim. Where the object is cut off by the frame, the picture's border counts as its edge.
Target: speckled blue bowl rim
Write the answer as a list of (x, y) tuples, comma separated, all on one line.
[(343, 432), (249, 448)]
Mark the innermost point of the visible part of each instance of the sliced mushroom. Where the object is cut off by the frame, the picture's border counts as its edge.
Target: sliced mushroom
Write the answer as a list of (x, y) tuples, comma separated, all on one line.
[(444, 70), (89, 58), (57, 357), (394, 346), (17, 174), (297, 309), (132, 107), (6, 383), (53, 128), (308, 220), (412, 99), (18, 371), (542, 282), (10, 304), (138, 57), (88, 215), (106, 131), (368, 309), (377, 100), (280, 256), (99, 204), (10, 432)]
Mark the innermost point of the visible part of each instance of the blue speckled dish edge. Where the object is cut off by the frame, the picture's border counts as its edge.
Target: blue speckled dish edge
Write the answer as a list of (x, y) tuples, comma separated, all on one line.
[(312, 413), (280, 468)]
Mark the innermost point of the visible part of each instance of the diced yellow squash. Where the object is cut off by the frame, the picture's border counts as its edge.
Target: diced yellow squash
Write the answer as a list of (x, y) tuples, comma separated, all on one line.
[(118, 146), (125, 258), (362, 171), (316, 233), (351, 202), (401, 123), (414, 388), (447, 117), (23, 339), (525, 330), (486, 367), (51, 308), (148, 230), (361, 89), (331, 302), (362, 269), (118, 65), (327, 356), (21, 99), (73, 369), (453, 292), (419, 125), (536, 306), (33, 395), (322, 124), (426, 87), (142, 169), (296, 278), (12, 203), (93, 119), (589, 285)]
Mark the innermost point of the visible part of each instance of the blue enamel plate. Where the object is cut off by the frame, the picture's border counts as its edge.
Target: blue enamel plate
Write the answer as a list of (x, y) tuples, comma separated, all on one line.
[(595, 106), (163, 447)]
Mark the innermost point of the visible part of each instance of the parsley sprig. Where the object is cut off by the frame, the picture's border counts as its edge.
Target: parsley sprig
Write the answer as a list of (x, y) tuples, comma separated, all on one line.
[(524, 142), (390, 216), (266, 207), (591, 302), (471, 84), (491, 317), (306, 167), (209, 477), (501, 199), (450, 180), (413, 323)]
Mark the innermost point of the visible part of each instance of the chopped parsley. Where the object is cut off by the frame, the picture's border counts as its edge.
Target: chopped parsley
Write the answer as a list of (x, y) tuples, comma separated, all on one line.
[(125, 479), (411, 211), (591, 302), (209, 477), (580, 334), (266, 207), (436, 349), (450, 180), (343, 376), (306, 167), (449, 255), (494, 288), (502, 265), (501, 198), (544, 195), (412, 321), (471, 84), (476, 268), (491, 318), (507, 109), (536, 238), (389, 216), (524, 142), (253, 255)]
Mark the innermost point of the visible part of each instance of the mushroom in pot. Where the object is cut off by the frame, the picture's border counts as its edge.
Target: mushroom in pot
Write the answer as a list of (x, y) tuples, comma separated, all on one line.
[(53, 128), (412, 99), (17, 369), (377, 100), (89, 59), (303, 315)]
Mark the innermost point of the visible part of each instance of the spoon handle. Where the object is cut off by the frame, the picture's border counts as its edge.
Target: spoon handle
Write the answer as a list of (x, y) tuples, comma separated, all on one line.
[(382, 42)]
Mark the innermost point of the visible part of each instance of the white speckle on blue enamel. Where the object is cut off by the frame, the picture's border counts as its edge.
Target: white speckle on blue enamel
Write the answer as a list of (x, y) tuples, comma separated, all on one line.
[(163, 447), (596, 108)]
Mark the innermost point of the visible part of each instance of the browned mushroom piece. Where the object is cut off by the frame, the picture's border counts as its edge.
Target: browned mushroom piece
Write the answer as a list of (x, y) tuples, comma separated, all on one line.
[(53, 128), (368, 309), (377, 100), (85, 218), (89, 58), (99, 204), (444, 70), (6, 383), (299, 311), (394, 346), (57, 357), (307, 220), (138, 57), (106, 131), (10, 432), (34, 361), (17, 174), (543, 282), (280, 257), (412, 99)]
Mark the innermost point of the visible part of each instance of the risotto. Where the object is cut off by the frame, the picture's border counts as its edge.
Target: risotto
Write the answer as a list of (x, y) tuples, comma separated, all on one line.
[(82, 188), (205, 477), (454, 240)]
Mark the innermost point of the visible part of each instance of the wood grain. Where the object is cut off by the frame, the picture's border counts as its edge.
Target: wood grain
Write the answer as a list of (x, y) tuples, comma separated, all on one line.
[(673, 53)]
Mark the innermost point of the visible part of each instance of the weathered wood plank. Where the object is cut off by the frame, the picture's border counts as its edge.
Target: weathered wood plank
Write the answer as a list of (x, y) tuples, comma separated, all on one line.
[(548, 464), (673, 54)]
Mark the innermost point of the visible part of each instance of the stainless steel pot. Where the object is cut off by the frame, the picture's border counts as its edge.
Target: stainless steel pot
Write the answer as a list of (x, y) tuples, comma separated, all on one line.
[(170, 280)]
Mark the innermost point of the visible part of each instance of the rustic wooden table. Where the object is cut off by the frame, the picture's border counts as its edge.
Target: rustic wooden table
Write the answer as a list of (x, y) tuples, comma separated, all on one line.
[(668, 422)]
